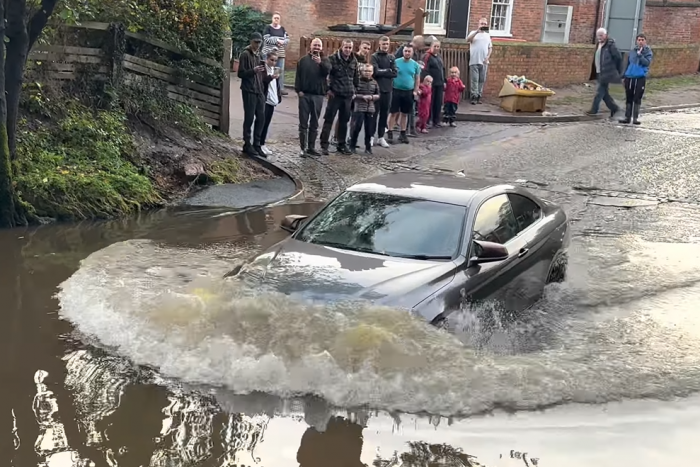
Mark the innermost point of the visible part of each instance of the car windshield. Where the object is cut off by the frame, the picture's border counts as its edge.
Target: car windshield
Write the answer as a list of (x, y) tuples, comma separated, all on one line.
[(388, 225)]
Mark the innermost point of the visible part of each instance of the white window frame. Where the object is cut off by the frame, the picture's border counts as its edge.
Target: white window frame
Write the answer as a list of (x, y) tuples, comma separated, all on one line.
[(377, 10), (507, 32), (437, 28)]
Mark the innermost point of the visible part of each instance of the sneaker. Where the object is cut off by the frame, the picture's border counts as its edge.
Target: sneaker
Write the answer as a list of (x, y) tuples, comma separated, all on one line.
[(344, 150), (324, 151), (312, 152), (303, 153), (334, 141), (403, 139), (382, 142), (371, 141), (453, 124), (266, 150), (368, 151)]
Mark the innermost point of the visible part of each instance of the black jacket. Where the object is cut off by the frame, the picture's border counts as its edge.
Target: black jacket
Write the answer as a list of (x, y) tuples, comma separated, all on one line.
[(434, 67), (343, 77), (384, 70), (311, 76), (250, 80), (611, 68)]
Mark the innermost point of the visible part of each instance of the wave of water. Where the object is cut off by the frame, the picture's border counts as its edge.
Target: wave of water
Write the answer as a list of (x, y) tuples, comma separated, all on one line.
[(171, 308)]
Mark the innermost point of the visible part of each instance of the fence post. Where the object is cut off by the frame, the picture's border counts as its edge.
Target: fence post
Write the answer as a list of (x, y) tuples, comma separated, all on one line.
[(224, 112), (419, 23)]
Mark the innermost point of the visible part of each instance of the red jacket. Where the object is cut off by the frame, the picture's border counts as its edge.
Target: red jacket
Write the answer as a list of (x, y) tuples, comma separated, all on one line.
[(453, 90)]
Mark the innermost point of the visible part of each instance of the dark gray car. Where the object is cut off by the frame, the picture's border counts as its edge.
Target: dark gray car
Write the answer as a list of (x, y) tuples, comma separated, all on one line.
[(427, 243)]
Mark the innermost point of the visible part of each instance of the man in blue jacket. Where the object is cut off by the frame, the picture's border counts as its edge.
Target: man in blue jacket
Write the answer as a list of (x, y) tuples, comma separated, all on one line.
[(636, 78)]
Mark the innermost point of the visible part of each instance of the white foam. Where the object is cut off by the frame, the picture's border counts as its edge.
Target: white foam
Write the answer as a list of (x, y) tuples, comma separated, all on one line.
[(170, 308)]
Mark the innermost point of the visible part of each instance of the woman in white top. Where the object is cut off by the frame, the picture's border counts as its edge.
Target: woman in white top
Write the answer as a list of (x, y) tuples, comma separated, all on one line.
[(273, 95)]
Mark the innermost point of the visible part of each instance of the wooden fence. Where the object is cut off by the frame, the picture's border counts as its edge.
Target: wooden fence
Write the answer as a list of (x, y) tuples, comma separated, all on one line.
[(452, 54), (209, 101)]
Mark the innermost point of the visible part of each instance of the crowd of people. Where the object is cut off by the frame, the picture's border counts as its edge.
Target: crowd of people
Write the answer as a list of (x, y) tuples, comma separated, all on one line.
[(378, 92), (409, 92)]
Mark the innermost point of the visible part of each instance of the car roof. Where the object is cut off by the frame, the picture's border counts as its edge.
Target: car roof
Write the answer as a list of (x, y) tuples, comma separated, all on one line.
[(443, 188)]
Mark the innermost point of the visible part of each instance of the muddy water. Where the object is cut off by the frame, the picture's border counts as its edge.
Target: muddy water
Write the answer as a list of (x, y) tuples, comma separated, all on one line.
[(149, 358)]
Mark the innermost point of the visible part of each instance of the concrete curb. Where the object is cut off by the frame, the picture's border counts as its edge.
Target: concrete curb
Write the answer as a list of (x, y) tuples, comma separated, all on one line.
[(496, 118), (280, 172), (668, 108)]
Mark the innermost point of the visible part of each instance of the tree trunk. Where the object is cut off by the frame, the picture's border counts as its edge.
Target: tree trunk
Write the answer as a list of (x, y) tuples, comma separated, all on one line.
[(7, 195), (17, 49)]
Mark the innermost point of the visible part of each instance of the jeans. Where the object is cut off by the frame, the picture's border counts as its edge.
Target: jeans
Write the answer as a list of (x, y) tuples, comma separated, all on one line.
[(383, 105), (269, 110), (280, 64), (477, 78), (309, 112), (602, 93), (337, 105), (436, 104), (359, 120), (253, 113)]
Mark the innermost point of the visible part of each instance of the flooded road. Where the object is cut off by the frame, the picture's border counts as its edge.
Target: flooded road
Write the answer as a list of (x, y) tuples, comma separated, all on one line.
[(152, 359)]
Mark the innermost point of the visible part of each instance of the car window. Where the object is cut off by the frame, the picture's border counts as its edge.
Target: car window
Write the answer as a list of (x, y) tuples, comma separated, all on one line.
[(388, 225), (494, 221), (525, 210)]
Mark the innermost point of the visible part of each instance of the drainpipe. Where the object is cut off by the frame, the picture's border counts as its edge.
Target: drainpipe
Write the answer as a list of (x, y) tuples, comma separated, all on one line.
[(635, 30), (597, 18), (399, 7)]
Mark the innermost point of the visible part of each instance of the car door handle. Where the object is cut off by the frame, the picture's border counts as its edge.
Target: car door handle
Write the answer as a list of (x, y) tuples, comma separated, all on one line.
[(523, 252)]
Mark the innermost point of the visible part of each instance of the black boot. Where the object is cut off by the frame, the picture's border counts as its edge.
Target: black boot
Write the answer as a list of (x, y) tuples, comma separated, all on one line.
[(628, 114), (635, 114)]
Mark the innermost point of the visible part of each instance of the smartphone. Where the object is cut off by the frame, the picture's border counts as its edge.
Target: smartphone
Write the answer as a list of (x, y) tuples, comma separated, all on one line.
[(485, 28)]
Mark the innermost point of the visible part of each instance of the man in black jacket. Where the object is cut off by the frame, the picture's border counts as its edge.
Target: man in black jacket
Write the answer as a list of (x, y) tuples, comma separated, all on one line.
[(310, 86), (251, 71), (384, 65), (609, 69), (343, 80)]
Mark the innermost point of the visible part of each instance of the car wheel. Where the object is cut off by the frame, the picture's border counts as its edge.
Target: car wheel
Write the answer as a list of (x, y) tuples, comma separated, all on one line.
[(557, 272)]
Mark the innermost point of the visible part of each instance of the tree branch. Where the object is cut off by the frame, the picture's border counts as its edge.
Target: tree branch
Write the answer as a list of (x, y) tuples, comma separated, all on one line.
[(39, 21)]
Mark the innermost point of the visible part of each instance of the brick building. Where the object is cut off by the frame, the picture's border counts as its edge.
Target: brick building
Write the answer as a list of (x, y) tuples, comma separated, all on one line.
[(664, 21)]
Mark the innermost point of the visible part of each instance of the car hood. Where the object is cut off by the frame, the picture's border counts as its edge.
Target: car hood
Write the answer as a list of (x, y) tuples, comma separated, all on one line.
[(319, 272)]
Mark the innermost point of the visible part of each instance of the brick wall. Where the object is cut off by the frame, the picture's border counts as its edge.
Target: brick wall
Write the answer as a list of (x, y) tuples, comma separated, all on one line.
[(676, 23), (584, 22), (526, 22), (551, 65)]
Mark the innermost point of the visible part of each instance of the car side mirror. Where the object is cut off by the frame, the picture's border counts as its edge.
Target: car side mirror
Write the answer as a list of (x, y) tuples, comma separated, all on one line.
[(292, 222), (488, 252)]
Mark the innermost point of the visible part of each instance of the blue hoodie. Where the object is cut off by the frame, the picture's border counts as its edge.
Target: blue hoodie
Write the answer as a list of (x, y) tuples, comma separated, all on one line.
[(638, 64)]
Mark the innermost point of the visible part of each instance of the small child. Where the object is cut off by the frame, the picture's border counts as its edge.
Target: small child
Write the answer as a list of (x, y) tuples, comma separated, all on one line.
[(453, 92), (426, 95), (363, 114)]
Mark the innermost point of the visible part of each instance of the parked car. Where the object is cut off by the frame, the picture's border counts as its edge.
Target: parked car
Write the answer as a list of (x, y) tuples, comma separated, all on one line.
[(423, 242)]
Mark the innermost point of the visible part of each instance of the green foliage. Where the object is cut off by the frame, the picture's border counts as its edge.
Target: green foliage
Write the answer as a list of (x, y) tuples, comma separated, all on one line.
[(244, 21), (147, 100), (224, 171), (79, 165), (195, 26)]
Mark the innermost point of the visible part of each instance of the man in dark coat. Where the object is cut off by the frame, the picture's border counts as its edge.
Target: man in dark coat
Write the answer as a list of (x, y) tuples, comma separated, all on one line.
[(608, 67), (342, 82), (252, 71)]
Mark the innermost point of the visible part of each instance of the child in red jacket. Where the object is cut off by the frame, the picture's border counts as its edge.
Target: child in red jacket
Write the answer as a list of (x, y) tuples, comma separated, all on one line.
[(426, 94), (453, 93)]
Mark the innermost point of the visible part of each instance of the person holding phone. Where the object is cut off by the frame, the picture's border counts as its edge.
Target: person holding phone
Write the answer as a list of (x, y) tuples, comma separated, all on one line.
[(636, 78), (252, 72), (480, 49), (310, 85)]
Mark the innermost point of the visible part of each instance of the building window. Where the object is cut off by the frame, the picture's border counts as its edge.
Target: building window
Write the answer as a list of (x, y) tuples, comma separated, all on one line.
[(501, 16), (368, 11), (435, 21)]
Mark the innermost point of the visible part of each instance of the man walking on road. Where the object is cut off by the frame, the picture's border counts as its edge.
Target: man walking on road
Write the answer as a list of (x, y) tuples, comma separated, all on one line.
[(384, 65), (636, 79), (251, 71), (342, 82), (480, 49), (404, 93), (310, 86), (418, 45), (608, 67)]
